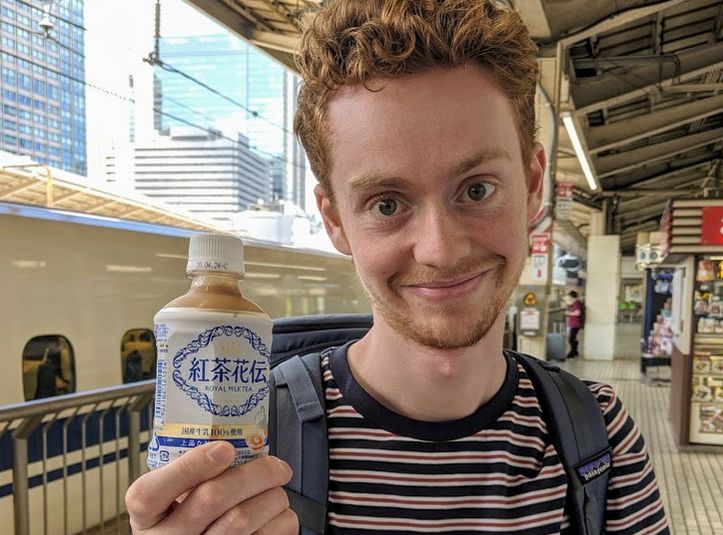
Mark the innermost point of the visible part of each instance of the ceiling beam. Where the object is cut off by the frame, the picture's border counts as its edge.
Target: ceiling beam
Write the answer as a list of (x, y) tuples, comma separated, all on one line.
[(647, 192), (244, 23), (632, 159), (606, 137), (693, 88), (661, 171), (609, 91), (616, 20)]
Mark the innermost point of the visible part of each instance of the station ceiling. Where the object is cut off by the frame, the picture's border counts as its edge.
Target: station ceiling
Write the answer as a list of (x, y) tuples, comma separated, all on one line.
[(642, 79)]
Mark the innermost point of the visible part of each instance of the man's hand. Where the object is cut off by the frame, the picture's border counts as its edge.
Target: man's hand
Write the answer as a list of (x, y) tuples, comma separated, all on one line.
[(216, 499)]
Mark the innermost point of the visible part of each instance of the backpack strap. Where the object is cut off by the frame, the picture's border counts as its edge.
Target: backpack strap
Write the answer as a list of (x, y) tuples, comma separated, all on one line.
[(579, 434), (301, 437)]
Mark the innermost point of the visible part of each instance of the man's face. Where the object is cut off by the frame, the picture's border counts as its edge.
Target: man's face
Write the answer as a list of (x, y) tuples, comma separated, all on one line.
[(431, 200)]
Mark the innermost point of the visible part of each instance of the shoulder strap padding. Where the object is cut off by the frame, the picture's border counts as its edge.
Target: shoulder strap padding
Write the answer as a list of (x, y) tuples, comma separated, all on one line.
[(578, 431), (300, 335), (301, 437)]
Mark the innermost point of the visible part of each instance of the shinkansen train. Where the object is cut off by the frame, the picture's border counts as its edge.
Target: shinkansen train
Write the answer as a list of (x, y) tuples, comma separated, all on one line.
[(79, 294)]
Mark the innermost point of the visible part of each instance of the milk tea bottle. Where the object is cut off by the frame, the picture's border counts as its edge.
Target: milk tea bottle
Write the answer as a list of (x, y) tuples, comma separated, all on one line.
[(213, 368)]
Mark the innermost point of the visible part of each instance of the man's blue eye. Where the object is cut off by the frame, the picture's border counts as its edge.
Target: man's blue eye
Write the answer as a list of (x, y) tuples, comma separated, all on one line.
[(387, 207), (478, 192)]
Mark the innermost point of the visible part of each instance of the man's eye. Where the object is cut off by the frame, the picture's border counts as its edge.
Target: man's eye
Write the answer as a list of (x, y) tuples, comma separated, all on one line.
[(478, 191), (387, 207)]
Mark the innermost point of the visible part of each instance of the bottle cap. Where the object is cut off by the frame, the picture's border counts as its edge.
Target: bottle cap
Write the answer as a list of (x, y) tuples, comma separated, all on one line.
[(215, 252)]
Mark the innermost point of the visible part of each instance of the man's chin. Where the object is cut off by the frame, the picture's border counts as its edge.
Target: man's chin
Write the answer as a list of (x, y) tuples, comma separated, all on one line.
[(446, 333)]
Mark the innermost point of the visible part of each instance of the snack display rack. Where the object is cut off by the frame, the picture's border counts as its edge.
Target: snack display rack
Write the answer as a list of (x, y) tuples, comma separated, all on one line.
[(706, 400)]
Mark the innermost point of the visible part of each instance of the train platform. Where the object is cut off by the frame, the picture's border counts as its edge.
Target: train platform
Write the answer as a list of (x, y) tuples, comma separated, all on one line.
[(690, 478)]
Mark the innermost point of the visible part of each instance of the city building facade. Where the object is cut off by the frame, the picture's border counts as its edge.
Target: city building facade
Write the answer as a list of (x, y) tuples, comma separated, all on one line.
[(209, 175), (42, 83), (245, 91)]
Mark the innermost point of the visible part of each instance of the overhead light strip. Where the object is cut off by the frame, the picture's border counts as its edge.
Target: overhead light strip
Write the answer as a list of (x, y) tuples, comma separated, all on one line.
[(579, 151)]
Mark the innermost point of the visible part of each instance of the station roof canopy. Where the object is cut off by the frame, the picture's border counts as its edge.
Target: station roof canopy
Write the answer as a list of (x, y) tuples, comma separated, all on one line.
[(643, 83), (27, 183)]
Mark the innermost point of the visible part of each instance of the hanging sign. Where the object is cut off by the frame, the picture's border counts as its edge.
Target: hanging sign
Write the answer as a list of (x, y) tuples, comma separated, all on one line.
[(711, 229), (563, 201)]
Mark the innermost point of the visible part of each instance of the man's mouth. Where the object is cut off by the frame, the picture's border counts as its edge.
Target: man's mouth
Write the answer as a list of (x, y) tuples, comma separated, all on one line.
[(444, 289)]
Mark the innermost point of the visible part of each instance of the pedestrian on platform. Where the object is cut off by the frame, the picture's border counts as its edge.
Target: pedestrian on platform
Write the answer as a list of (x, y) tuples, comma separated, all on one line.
[(574, 322), (418, 118)]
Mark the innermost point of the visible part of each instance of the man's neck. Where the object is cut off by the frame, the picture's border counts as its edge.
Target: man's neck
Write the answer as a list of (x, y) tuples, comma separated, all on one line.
[(424, 383)]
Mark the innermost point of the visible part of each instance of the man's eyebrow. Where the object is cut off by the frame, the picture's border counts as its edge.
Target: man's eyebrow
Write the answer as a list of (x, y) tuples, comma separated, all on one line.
[(486, 155), (369, 181), (366, 182)]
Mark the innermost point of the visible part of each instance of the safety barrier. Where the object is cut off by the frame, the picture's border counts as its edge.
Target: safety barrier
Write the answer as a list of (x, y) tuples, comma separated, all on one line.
[(95, 438)]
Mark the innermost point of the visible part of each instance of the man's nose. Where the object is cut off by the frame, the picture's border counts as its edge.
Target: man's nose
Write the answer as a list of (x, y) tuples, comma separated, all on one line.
[(441, 239)]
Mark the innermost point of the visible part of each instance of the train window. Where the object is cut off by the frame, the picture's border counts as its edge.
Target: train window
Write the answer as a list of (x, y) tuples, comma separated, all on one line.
[(138, 355), (48, 367)]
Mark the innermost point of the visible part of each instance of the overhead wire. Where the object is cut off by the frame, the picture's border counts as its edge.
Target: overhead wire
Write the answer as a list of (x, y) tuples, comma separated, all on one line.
[(208, 130), (155, 60)]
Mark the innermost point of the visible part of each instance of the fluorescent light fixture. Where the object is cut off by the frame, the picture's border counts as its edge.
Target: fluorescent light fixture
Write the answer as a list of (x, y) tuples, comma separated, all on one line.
[(115, 268), (284, 266), (262, 276), (172, 255), (579, 151), (28, 264), (311, 278)]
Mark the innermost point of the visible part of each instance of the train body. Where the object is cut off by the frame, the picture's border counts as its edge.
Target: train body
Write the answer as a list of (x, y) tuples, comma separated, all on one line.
[(87, 289)]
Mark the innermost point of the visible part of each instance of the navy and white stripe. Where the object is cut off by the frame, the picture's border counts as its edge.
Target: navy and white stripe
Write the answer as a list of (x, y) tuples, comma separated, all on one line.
[(494, 471)]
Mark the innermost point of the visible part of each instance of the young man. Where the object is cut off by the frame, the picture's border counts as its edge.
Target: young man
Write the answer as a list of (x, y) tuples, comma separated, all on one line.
[(418, 119), (574, 322)]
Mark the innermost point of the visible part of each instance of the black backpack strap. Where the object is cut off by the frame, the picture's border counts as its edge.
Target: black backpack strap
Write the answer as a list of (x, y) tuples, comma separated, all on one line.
[(578, 431), (299, 437)]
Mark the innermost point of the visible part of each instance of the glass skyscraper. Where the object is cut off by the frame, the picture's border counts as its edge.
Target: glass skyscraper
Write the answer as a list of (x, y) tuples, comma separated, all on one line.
[(42, 87), (250, 94)]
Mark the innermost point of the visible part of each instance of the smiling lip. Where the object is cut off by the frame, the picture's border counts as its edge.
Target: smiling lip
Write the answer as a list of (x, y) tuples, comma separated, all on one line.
[(443, 290)]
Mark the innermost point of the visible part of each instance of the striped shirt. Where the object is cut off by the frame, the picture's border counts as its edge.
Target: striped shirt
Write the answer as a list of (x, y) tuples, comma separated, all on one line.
[(493, 471)]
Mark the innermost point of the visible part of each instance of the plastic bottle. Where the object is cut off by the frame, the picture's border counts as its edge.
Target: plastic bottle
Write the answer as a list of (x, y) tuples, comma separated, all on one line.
[(213, 359)]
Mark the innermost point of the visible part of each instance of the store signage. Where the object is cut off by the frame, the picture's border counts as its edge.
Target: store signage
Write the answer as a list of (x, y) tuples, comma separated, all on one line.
[(529, 321), (538, 266), (540, 243), (563, 201), (711, 229)]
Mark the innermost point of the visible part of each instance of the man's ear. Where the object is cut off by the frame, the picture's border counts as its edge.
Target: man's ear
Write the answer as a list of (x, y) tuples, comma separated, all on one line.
[(332, 221), (535, 180)]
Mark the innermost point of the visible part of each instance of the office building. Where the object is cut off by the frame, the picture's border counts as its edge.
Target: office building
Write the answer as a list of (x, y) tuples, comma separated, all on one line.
[(42, 84), (207, 174), (246, 92)]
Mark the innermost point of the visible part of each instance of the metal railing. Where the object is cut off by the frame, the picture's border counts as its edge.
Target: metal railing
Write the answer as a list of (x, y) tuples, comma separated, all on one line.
[(84, 436)]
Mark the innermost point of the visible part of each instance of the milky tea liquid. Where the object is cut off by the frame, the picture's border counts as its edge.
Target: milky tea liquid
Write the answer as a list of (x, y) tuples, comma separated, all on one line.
[(213, 368)]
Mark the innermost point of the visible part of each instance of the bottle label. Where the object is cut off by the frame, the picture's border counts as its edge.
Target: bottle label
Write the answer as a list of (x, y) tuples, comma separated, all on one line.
[(212, 382)]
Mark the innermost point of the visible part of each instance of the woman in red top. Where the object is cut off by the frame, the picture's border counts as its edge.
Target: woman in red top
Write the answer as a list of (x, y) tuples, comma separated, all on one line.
[(574, 322)]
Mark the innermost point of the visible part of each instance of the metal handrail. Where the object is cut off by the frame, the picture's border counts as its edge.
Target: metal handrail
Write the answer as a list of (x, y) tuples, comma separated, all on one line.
[(21, 419), (71, 401)]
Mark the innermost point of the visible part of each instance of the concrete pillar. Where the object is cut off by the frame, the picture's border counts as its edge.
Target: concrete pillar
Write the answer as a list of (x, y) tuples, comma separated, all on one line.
[(601, 296), (597, 223)]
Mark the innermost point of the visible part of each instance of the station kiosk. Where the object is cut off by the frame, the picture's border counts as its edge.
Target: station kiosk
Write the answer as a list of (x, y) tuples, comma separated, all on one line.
[(693, 242)]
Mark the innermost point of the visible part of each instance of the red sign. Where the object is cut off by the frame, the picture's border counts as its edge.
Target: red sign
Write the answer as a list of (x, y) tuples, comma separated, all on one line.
[(711, 230), (564, 190), (540, 243)]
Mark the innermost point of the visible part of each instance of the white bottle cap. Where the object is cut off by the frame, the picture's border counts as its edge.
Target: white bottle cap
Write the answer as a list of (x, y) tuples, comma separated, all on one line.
[(215, 252)]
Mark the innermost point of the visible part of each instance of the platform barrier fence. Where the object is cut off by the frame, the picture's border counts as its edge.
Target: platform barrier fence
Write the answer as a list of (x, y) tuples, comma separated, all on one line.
[(66, 461)]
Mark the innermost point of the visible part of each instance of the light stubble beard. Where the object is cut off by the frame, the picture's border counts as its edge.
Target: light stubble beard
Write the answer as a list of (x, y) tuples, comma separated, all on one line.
[(435, 332)]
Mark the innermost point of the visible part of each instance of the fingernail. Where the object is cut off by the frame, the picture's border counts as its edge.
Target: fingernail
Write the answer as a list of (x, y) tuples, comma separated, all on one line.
[(220, 453)]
